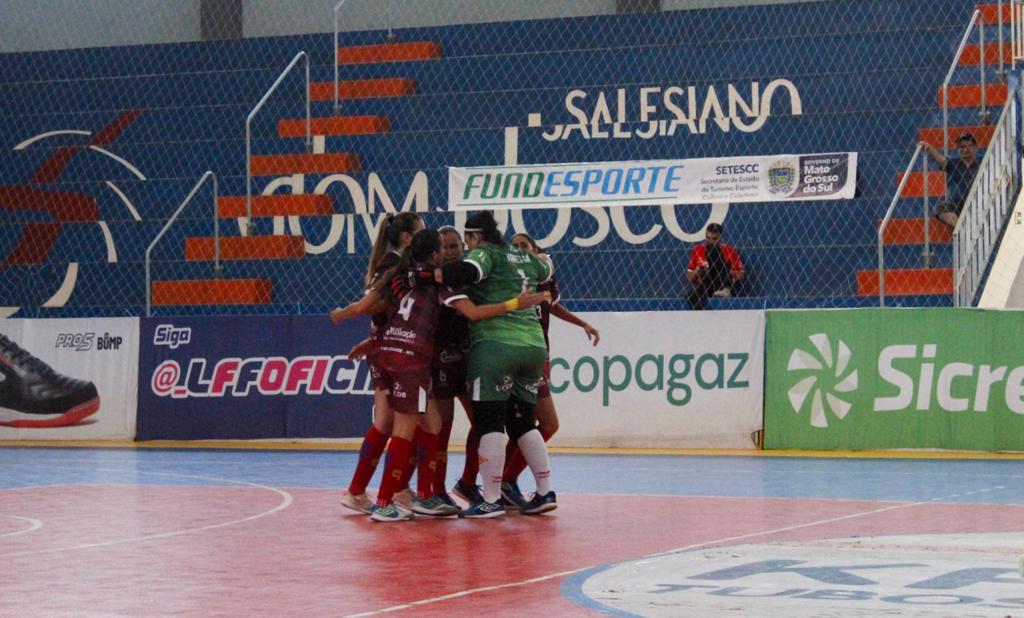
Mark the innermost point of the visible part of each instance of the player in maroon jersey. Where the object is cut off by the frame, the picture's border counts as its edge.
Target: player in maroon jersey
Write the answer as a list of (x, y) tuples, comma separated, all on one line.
[(547, 418), (404, 358), (451, 344), (393, 236)]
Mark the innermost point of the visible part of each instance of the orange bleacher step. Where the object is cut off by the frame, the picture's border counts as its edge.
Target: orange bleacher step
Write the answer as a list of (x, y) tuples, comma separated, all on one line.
[(933, 135), (906, 282), (990, 13), (283, 205), (334, 125), (970, 96), (327, 163), (279, 247), (911, 232), (915, 184), (972, 54), (363, 89), (389, 52), (212, 292)]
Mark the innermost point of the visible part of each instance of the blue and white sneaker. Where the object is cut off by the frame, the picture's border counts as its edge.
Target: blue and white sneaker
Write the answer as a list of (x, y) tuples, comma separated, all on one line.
[(469, 493), (483, 509), (447, 499), (389, 513), (540, 504), (511, 495), (433, 506)]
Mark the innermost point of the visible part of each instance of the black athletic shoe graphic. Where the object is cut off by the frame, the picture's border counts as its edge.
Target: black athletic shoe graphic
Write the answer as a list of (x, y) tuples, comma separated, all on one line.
[(32, 394)]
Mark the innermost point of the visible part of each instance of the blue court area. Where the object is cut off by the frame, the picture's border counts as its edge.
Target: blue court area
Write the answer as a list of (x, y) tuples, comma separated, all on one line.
[(148, 531), (846, 478)]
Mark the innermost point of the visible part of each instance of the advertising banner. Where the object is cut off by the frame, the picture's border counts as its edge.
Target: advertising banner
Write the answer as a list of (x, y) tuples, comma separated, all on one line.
[(659, 380), (68, 379), (252, 377), (895, 378), (828, 176)]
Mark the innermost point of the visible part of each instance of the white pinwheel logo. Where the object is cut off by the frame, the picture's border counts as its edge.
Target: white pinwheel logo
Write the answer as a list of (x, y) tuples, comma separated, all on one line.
[(829, 377)]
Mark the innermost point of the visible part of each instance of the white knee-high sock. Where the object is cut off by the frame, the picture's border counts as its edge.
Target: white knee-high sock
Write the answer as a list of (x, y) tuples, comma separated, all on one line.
[(492, 462), (535, 452)]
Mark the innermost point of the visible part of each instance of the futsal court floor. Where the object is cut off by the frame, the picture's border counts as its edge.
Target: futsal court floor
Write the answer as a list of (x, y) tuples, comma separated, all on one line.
[(260, 532)]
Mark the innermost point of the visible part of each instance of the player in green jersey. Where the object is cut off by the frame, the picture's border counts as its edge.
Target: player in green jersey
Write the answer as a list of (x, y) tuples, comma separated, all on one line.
[(506, 361)]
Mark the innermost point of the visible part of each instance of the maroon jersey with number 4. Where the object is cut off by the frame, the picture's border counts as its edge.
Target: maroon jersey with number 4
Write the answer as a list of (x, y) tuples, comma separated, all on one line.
[(407, 337)]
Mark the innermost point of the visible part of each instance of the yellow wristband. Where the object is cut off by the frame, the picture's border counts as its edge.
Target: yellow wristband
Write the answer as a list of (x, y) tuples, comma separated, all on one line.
[(512, 304)]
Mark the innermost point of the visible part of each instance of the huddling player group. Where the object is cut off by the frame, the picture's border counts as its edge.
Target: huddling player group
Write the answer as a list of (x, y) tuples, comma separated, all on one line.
[(444, 326)]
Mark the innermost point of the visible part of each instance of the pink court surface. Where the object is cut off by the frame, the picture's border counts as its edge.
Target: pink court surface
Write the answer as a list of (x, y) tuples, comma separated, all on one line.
[(242, 532)]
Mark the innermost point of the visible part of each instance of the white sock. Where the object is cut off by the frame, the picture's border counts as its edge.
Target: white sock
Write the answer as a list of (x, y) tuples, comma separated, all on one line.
[(535, 452), (492, 463)]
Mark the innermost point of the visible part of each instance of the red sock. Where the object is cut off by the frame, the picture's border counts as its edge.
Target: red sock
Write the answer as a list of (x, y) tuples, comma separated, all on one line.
[(441, 469), (426, 453), (472, 466), (369, 454), (394, 469), (515, 463), (410, 465)]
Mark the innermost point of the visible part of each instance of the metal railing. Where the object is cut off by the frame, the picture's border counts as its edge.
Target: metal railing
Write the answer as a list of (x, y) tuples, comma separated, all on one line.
[(248, 128), (1016, 30), (975, 19), (987, 207), (918, 152), (216, 236)]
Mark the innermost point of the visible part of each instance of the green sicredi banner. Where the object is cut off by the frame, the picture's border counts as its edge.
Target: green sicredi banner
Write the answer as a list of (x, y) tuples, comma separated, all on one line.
[(865, 379)]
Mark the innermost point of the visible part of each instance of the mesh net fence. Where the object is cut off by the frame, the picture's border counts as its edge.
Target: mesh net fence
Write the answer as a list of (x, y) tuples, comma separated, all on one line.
[(107, 136)]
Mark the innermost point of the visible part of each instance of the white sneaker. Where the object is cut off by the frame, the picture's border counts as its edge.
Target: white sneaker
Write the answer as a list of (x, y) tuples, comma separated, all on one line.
[(723, 293), (360, 503)]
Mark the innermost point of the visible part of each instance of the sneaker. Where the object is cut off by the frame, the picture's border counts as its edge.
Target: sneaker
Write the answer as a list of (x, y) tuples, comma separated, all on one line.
[(469, 493), (482, 509), (511, 495), (447, 499), (357, 502), (32, 394), (540, 504), (433, 506), (723, 293), (404, 499), (389, 513)]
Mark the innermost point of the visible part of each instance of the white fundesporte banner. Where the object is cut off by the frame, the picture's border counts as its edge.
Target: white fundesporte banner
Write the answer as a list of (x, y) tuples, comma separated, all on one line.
[(103, 352), (665, 379), (827, 176)]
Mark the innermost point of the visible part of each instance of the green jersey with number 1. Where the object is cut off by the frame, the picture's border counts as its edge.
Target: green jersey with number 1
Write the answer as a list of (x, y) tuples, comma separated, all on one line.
[(505, 272)]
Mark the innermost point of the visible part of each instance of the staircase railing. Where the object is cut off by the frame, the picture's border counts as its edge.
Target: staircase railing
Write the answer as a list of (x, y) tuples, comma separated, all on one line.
[(216, 235), (248, 128), (918, 152), (1016, 30), (987, 206), (975, 19)]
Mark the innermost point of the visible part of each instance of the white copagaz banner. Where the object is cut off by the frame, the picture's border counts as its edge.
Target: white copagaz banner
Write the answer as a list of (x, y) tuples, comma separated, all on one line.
[(829, 176), (37, 400), (663, 379)]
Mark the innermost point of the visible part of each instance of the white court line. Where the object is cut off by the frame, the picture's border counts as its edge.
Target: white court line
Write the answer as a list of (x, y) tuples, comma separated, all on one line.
[(34, 524), (740, 537), (286, 501)]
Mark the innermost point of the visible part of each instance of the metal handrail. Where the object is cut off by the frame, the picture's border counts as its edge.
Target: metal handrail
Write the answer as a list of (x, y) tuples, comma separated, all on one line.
[(986, 208), (216, 235), (888, 217), (949, 75), (334, 50), (248, 129)]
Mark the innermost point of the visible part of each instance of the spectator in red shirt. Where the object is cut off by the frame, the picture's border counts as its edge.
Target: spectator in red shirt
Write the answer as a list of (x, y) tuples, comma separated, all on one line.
[(714, 268)]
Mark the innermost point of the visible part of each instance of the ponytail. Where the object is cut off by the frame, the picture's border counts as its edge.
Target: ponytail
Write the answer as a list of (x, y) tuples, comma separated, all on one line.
[(389, 235), (483, 223)]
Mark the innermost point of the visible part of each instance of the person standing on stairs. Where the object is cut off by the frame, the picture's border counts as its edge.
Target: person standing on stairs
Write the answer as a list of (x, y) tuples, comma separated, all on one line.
[(960, 173)]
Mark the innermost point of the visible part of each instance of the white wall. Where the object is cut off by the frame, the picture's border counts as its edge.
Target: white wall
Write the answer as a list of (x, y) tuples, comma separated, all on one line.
[(35, 25)]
